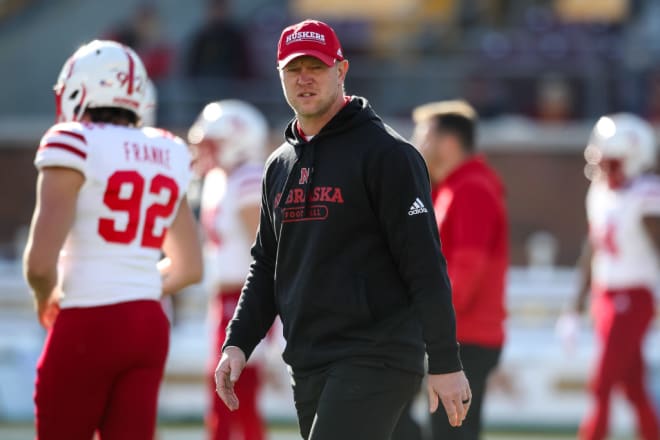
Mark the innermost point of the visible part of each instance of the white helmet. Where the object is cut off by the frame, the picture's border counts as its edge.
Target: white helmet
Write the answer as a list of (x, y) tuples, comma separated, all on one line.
[(100, 74), (626, 137), (239, 130)]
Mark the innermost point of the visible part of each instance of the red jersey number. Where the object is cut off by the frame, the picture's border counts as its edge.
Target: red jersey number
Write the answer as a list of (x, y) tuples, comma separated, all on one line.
[(158, 184), (604, 240), (131, 206)]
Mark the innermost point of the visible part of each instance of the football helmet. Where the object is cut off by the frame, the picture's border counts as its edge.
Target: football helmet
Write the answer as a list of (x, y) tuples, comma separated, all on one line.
[(101, 74), (237, 130), (626, 139)]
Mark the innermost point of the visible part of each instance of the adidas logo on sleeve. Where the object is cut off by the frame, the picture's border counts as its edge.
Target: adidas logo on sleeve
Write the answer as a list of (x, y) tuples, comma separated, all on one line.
[(417, 207)]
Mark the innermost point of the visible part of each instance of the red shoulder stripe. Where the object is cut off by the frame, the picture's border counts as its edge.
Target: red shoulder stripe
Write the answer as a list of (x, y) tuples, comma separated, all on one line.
[(78, 136), (66, 147)]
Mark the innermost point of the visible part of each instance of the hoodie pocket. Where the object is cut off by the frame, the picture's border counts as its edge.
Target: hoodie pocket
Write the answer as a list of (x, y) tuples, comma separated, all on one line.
[(345, 295), (385, 296)]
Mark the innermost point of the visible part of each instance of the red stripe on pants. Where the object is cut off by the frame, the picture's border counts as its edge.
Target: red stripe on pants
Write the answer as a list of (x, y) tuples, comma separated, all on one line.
[(246, 422), (622, 318), (101, 369)]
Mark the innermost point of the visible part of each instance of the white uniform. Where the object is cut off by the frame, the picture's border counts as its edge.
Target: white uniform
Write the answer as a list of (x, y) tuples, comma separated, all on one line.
[(228, 243), (624, 255), (135, 180)]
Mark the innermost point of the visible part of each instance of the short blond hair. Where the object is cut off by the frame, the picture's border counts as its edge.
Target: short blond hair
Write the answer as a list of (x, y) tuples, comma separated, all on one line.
[(458, 107)]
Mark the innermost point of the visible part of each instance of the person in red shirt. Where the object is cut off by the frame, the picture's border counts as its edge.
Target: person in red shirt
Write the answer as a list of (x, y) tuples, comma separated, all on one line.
[(469, 203)]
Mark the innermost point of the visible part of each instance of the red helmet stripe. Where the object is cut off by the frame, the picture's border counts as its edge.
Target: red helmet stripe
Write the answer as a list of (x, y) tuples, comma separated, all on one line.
[(131, 72), (59, 117), (71, 61)]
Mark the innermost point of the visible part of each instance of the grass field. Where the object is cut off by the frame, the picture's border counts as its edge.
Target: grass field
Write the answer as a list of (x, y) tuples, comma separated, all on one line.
[(196, 432)]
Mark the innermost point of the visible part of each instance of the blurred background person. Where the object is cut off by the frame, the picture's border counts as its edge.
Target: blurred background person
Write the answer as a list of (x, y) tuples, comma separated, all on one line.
[(553, 100), (110, 198), (143, 32), (231, 137), (620, 266), (218, 49), (469, 203)]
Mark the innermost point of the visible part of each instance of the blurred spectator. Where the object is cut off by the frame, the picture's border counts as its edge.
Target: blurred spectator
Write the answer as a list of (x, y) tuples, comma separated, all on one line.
[(554, 100), (219, 49), (143, 32), (488, 95)]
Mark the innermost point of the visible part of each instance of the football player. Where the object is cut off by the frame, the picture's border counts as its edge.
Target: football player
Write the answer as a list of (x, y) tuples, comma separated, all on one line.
[(110, 199), (620, 265), (231, 138)]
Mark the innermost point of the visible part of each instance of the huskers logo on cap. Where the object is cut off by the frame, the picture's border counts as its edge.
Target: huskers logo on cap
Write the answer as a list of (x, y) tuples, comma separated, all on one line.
[(305, 36)]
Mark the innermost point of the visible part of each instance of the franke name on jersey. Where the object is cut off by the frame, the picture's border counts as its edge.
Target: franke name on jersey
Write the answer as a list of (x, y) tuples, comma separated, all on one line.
[(135, 152), (328, 194)]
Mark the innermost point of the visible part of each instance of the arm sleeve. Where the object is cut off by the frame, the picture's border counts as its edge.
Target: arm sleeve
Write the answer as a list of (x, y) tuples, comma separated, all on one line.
[(474, 215), (256, 309), (63, 145), (400, 185)]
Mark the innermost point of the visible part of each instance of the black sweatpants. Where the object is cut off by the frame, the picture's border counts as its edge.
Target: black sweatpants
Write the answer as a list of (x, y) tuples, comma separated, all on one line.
[(407, 428), (478, 363), (352, 401)]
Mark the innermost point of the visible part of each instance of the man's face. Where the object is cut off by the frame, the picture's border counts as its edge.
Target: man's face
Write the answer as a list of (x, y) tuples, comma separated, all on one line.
[(434, 147), (424, 139), (311, 87)]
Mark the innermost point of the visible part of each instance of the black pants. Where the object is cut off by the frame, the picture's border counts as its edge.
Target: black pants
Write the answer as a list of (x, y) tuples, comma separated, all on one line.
[(407, 428), (350, 401), (478, 362)]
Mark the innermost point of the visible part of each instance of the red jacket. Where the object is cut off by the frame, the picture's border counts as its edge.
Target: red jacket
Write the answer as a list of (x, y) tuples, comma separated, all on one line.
[(471, 213)]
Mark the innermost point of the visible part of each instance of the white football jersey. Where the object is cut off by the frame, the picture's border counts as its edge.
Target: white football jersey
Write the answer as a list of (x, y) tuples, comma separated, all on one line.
[(624, 254), (228, 242), (135, 180)]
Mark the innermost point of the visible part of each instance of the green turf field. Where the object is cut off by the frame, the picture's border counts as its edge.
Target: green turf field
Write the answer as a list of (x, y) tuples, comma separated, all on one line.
[(196, 432)]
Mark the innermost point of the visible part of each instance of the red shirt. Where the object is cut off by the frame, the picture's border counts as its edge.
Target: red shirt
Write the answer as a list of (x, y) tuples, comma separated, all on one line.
[(471, 213)]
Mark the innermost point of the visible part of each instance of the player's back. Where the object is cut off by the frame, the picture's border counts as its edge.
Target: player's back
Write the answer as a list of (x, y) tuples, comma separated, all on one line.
[(134, 182)]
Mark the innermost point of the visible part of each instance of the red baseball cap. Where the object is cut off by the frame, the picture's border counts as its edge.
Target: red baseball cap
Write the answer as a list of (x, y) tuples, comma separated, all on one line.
[(309, 37)]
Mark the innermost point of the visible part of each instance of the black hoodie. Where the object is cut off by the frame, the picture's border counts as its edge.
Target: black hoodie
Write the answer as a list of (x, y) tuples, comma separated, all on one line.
[(347, 252)]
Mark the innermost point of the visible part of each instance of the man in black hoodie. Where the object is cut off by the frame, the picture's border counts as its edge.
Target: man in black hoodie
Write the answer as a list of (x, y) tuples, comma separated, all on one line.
[(348, 255)]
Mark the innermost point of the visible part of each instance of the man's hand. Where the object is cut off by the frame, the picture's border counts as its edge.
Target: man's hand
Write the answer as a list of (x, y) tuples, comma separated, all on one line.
[(227, 373), (47, 311), (453, 390)]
